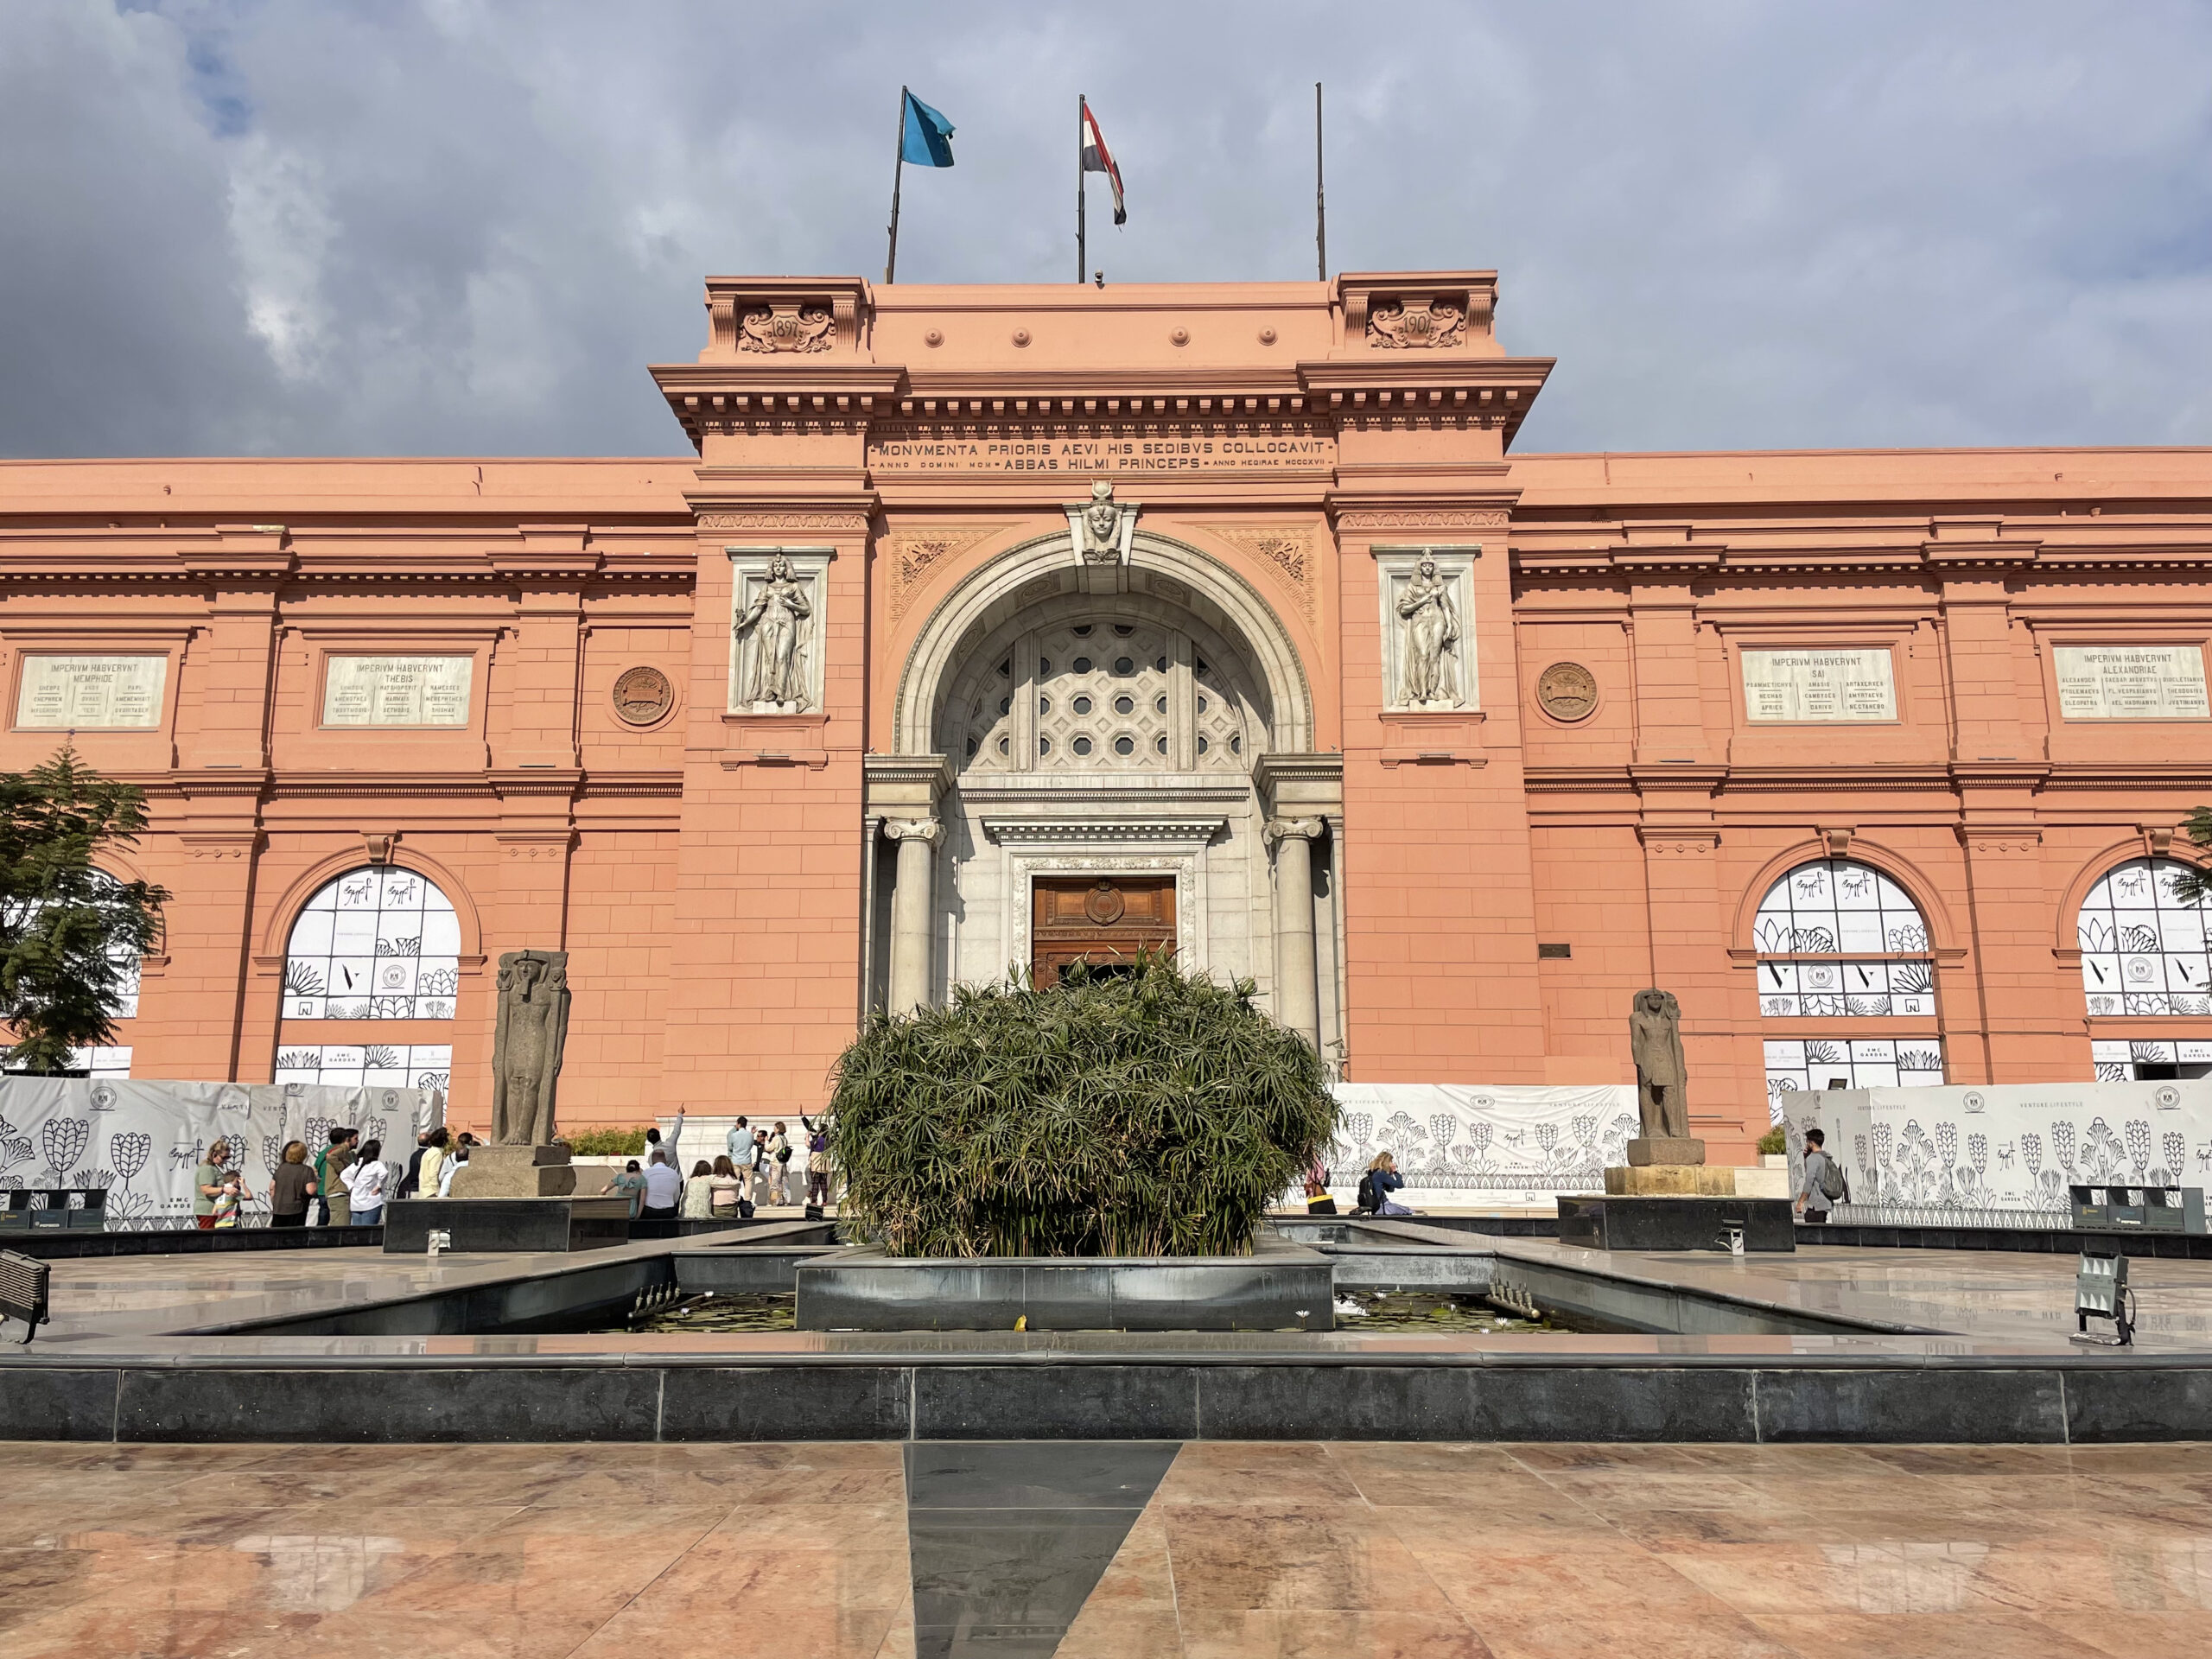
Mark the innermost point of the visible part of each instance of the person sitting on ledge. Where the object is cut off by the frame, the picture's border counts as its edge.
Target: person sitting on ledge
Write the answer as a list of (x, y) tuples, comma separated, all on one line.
[(455, 1164), (663, 1187), (630, 1184), (699, 1193), (1377, 1186), (727, 1187), (427, 1173)]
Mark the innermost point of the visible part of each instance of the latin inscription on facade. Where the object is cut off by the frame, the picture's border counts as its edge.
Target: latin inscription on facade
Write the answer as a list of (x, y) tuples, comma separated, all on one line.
[(1819, 684), (86, 693), (397, 691), (2131, 682), (1116, 457)]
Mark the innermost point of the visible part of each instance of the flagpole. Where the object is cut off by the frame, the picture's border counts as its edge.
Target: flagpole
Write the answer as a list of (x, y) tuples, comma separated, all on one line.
[(898, 176), (1082, 103), (1320, 198)]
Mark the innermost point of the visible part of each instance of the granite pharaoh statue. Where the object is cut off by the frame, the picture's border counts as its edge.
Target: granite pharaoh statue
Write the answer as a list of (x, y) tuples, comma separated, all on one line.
[(533, 1025), (1655, 1042)]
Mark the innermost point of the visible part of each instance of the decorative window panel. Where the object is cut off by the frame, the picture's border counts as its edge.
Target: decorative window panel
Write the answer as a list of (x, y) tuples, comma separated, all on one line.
[(1836, 906), (1860, 1062), (2143, 952), (397, 1065), (378, 943), (1843, 989), (2117, 1061)]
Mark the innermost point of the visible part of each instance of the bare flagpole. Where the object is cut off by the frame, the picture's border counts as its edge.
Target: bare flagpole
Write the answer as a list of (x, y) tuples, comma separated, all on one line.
[(1320, 198), (898, 176)]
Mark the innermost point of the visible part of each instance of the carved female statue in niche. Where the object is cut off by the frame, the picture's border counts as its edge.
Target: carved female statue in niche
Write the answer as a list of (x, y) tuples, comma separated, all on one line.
[(1428, 668), (776, 620)]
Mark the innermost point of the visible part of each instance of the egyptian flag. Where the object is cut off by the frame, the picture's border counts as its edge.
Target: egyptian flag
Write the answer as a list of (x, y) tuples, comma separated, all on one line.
[(1096, 158)]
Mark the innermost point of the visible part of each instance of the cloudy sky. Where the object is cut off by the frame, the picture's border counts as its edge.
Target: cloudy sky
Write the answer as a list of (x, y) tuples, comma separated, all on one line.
[(460, 226)]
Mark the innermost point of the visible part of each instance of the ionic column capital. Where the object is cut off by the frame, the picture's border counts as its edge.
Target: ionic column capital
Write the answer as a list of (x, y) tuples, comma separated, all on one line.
[(1303, 828), (928, 831)]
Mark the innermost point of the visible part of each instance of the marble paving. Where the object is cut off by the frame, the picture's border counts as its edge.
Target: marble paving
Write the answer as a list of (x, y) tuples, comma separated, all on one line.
[(1207, 1550)]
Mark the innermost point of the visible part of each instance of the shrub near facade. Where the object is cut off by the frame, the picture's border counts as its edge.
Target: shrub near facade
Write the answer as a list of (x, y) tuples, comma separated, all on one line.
[(1150, 1113)]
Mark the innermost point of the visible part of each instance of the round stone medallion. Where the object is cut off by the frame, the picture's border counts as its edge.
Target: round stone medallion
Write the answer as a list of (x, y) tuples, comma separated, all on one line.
[(1567, 691), (642, 695)]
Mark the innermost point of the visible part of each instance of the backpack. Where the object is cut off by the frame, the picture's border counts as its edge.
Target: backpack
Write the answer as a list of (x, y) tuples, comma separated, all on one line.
[(1367, 1199), (1830, 1182)]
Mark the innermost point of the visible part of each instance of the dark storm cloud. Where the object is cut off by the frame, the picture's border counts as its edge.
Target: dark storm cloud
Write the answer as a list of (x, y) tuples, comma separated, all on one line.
[(460, 227)]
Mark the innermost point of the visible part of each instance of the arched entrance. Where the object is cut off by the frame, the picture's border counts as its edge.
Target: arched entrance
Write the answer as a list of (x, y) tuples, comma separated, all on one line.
[(1069, 745)]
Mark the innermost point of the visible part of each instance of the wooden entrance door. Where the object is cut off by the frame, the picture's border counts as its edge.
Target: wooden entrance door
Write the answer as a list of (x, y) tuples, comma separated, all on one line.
[(1103, 919)]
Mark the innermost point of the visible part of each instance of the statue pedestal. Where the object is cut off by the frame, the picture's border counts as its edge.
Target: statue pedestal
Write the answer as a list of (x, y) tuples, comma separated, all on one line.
[(1670, 1180), (1651, 1149), (1653, 1221), (515, 1173)]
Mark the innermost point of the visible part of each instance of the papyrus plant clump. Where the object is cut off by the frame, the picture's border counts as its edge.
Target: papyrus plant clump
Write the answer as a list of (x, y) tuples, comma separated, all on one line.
[(1146, 1113)]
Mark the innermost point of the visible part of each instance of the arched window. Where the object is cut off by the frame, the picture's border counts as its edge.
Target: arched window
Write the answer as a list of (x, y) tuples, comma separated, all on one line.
[(1838, 941), (378, 943), (2145, 955)]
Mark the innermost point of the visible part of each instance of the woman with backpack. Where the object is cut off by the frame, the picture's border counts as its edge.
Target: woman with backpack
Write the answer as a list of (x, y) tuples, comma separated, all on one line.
[(1377, 1186)]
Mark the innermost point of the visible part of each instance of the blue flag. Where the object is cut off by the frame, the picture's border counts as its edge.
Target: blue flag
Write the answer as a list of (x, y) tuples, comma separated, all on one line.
[(927, 140)]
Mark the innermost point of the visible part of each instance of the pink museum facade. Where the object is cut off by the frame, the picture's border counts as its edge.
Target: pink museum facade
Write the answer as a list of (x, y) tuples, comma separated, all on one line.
[(1877, 760)]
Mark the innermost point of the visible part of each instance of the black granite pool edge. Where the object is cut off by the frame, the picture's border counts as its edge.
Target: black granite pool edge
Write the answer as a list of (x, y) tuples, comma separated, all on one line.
[(1932, 1398)]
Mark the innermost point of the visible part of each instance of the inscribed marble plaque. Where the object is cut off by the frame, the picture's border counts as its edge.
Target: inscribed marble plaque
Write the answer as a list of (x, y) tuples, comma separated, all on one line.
[(397, 691), (1810, 683), (2131, 682), (83, 693)]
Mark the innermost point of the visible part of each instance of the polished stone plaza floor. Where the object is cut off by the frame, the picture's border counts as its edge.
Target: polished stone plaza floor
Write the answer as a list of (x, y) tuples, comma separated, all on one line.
[(1210, 1550)]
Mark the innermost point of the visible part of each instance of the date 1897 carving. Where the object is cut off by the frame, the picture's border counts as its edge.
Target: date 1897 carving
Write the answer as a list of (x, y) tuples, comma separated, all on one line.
[(787, 328)]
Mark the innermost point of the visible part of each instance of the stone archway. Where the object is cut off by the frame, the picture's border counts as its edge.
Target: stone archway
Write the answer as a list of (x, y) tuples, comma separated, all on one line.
[(1058, 726)]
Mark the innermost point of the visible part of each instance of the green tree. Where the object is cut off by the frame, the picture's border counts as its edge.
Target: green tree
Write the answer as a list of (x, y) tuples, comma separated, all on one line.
[(2191, 887), (1149, 1113), (70, 933)]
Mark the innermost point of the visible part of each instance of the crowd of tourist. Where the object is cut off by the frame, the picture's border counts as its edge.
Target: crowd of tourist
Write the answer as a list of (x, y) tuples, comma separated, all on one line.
[(758, 1165), (348, 1182)]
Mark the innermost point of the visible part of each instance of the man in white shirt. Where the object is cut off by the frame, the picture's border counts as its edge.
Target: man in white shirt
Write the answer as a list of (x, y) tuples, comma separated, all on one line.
[(664, 1189)]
